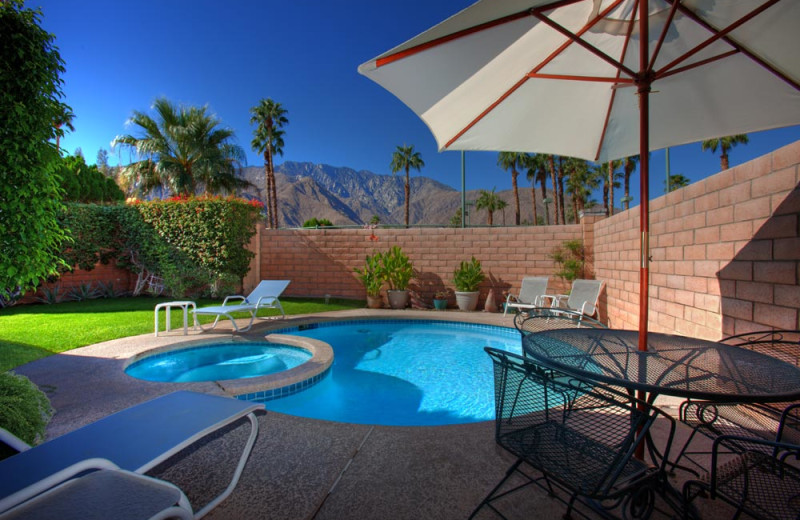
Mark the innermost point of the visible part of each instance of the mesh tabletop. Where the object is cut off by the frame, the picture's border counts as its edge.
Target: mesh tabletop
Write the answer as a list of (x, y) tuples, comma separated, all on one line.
[(672, 365)]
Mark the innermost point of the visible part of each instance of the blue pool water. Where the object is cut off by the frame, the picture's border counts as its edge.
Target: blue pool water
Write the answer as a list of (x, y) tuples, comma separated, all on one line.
[(218, 362), (411, 373)]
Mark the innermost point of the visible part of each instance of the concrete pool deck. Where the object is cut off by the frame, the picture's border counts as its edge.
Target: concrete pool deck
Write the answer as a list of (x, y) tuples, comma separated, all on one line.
[(305, 468)]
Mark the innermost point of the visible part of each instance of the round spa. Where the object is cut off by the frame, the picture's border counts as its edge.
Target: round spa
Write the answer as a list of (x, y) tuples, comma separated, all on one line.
[(218, 361)]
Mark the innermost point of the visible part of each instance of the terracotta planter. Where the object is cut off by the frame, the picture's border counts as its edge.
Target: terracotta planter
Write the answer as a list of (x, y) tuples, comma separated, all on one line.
[(374, 302), (397, 299), (467, 301)]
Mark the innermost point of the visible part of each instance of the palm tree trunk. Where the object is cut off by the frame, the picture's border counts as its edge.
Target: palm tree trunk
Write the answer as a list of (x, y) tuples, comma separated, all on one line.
[(544, 196), (274, 198), (267, 192), (514, 174), (723, 161), (533, 202), (408, 194), (490, 212), (551, 164), (560, 177), (610, 188)]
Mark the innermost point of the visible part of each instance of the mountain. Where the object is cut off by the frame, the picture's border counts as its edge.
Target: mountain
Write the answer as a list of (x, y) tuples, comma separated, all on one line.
[(349, 197)]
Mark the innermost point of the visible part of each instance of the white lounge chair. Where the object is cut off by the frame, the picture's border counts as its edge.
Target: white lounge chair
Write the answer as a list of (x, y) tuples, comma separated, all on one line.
[(264, 296), (135, 440), (531, 294), (582, 299)]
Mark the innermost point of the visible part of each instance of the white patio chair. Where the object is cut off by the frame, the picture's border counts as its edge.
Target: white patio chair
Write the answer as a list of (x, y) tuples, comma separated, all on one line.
[(264, 296), (531, 294), (582, 299)]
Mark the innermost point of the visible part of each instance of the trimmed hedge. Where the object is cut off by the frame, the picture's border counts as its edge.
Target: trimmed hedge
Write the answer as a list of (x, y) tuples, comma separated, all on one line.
[(193, 244)]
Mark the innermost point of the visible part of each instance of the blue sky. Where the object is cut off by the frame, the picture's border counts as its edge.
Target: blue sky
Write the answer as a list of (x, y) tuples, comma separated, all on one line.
[(121, 56)]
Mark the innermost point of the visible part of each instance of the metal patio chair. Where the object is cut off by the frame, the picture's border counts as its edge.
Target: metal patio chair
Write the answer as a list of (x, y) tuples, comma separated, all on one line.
[(581, 437), (531, 294), (762, 480), (713, 419)]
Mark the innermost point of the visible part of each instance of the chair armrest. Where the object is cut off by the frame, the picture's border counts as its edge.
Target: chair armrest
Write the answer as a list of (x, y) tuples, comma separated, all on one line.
[(790, 418), (237, 296), (511, 298), (53, 480), (261, 301), (780, 452)]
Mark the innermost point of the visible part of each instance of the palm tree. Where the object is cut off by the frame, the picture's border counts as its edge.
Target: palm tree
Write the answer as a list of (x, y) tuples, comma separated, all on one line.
[(609, 183), (629, 164), (678, 181), (269, 118), (183, 150), (582, 180), (724, 144), (512, 161), (491, 202), (537, 172), (405, 158), (64, 118), (551, 166)]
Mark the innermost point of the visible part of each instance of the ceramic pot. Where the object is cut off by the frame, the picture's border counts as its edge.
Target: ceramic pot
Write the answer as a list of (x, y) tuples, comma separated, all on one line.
[(374, 302), (397, 299), (467, 301), (440, 305)]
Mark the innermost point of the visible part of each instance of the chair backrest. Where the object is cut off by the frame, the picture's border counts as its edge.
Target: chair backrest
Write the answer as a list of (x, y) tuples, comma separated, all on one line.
[(546, 318), (266, 289), (532, 289), (782, 344), (584, 435), (585, 292)]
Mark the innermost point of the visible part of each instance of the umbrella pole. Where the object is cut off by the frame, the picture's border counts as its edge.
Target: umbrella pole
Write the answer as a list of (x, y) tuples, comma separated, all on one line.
[(643, 83)]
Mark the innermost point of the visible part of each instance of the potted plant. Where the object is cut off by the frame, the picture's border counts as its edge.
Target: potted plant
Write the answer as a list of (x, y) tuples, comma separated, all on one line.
[(397, 271), (372, 279), (440, 300), (467, 278)]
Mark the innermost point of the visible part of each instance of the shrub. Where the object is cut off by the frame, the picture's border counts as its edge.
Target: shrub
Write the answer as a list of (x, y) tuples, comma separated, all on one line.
[(24, 409), (571, 259), (317, 222), (371, 275), (396, 269), (468, 276)]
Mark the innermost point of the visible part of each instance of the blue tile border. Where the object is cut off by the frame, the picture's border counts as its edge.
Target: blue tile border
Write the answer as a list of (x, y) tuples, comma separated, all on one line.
[(275, 393)]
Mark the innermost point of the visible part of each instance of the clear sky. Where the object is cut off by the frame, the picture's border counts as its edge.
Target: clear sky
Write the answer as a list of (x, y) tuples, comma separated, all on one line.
[(121, 56)]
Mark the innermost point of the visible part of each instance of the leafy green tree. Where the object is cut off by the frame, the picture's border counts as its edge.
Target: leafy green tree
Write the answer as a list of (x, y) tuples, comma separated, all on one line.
[(102, 162), (455, 220), (184, 150), (677, 181), (405, 158), (724, 144), (491, 202), (515, 161), (85, 183), (581, 182), (269, 118), (317, 222), (30, 93)]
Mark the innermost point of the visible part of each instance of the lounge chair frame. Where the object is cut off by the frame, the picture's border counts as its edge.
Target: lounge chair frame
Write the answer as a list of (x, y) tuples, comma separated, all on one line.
[(136, 439), (264, 296), (531, 293)]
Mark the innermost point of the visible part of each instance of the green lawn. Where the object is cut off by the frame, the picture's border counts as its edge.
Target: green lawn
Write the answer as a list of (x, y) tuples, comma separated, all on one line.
[(30, 332)]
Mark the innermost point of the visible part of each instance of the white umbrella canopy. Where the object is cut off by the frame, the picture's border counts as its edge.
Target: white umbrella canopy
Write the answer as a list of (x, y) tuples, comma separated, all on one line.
[(573, 78)]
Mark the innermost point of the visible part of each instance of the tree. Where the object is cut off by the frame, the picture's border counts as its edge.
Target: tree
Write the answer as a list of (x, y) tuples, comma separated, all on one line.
[(30, 94), (269, 118), (183, 150), (724, 144), (102, 162), (551, 166), (629, 164), (514, 161), (537, 172), (64, 117), (581, 182), (405, 158), (677, 182), (491, 202), (455, 220), (609, 183), (84, 183)]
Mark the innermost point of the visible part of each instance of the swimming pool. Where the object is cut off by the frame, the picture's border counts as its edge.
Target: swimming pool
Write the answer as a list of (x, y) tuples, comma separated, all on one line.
[(402, 372), (218, 361)]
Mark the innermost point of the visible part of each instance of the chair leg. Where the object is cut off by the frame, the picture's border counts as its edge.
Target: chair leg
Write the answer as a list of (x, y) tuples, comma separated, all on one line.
[(487, 501)]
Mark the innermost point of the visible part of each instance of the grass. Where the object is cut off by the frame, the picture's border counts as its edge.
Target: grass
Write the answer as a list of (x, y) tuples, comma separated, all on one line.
[(30, 332)]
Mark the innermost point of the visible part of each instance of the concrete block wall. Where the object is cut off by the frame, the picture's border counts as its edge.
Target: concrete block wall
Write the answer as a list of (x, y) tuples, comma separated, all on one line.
[(320, 262), (725, 253)]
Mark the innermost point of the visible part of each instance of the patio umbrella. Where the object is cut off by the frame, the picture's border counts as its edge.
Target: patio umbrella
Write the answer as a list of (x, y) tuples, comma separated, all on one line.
[(585, 78)]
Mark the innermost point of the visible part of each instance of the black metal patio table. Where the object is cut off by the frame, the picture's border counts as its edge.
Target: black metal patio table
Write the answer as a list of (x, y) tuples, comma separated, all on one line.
[(672, 365)]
